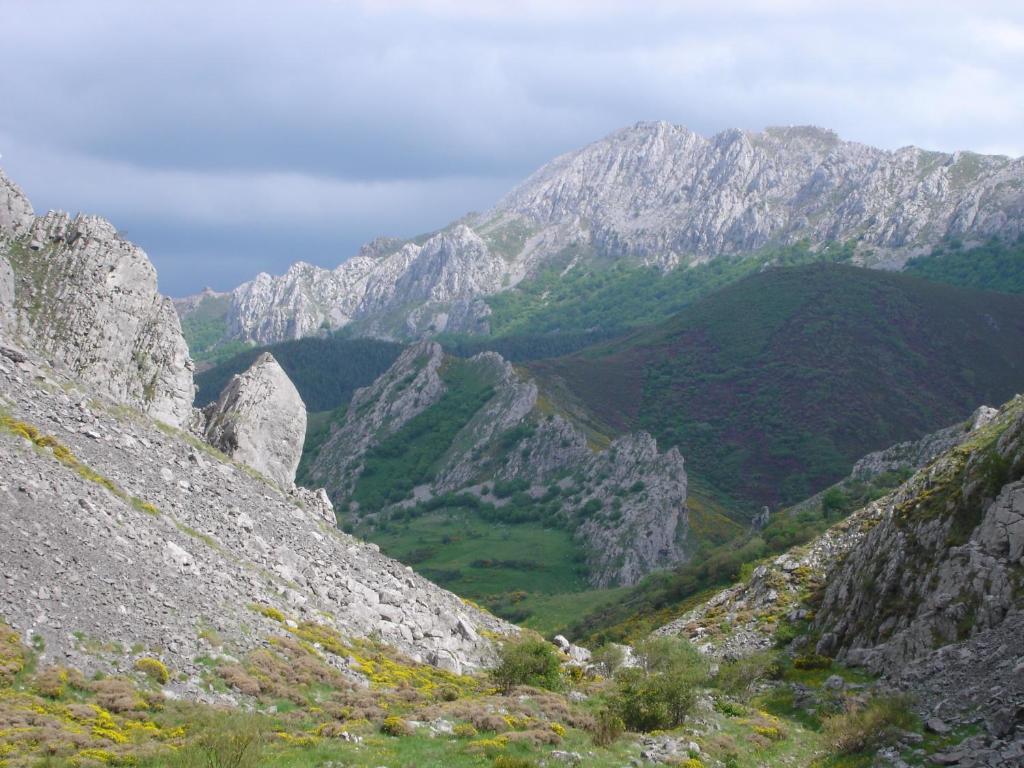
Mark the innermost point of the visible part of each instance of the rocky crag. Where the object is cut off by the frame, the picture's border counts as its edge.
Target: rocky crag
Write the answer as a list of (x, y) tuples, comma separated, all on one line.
[(86, 299), (655, 194), (260, 420), (626, 503), (922, 587)]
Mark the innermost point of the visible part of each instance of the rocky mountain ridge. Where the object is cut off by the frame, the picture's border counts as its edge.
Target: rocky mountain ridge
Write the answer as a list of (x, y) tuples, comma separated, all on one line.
[(626, 502), (654, 194)]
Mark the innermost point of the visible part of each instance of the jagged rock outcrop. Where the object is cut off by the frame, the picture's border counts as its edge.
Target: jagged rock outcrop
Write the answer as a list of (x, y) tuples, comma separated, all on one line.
[(260, 420), (914, 454), (945, 561), (6, 293), (657, 194), (87, 300), (626, 504), (16, 212), (411, 385), (922, 586), (117, 533)]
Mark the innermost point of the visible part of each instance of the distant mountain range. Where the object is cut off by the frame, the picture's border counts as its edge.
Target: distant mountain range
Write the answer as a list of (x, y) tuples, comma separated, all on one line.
[(652, 196)]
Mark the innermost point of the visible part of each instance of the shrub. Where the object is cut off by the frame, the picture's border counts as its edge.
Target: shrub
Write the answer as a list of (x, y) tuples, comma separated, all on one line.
[(607, 728), (448, 693), (395, 726), (507, 761), (650, 702), (225, 740), (738, 678), (51, 682), (464, 731), (154, 669), (672, 655), (869, 727), (532, 661), (117, 695), (608, 658), (812, 661)]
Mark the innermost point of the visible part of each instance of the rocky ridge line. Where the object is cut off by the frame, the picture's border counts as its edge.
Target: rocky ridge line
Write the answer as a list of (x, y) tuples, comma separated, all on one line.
[(655, 194)]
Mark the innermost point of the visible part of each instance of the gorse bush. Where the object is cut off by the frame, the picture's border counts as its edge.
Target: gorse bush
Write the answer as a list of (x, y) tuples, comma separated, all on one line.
[(869, 727), (532, 661), (738, 678), (607, 728)]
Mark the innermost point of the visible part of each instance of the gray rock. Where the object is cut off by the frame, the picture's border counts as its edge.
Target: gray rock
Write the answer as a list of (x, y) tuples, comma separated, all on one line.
[(16, 213), (87, 301), (151, 574), (260, 420)]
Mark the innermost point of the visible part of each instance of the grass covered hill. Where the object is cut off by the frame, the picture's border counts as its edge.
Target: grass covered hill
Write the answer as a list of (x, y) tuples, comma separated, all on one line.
[(326, 371), (774, 385)]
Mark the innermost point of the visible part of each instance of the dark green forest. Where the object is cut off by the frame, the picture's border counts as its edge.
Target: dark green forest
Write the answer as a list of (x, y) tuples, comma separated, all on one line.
[(326, 371)]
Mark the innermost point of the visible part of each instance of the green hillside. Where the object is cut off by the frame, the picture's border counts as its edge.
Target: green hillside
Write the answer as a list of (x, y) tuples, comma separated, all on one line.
[(618, 296), (997, 265), (774, 385)]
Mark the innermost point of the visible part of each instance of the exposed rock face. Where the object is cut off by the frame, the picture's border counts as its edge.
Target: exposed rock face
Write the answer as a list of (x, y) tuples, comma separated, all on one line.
[(664, 193), (87, 300), (946, 560), (626, 504), (201, 543), (411, 385), (16, 213), (260, 420), (657, 194), (923, 586), (6, 293)]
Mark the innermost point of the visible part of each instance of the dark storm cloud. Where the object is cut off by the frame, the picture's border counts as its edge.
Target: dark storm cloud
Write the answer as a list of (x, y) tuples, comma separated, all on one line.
[(252, 134)]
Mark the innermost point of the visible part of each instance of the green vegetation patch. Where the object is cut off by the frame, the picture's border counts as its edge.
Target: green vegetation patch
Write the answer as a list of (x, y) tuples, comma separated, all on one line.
[(772, 387), (998, 265), (411, 456)]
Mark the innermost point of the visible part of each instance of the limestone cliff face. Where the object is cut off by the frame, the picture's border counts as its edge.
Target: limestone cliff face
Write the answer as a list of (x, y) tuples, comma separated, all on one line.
[(625, 504), (260, 420), (87, 300), (656, 194)]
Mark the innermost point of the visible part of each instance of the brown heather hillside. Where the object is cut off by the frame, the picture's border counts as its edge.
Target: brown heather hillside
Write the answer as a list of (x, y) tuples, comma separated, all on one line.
[(775, 385)]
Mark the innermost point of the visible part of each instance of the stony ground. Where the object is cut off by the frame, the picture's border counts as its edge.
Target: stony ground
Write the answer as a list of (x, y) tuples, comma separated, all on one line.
[(123, 537)]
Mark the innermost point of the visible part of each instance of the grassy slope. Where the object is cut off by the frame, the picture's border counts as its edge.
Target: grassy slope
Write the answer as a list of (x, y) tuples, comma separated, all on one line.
[(773, 386)]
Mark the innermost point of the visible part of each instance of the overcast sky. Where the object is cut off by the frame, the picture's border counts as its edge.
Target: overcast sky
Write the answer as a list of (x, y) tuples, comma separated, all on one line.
[(228, 138)]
